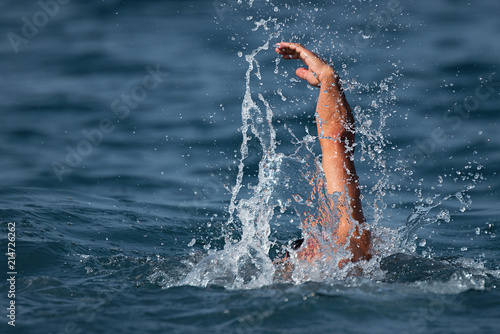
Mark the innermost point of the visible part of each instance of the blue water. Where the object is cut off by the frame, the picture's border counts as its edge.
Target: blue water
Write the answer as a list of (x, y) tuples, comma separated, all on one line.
[(119, 202)]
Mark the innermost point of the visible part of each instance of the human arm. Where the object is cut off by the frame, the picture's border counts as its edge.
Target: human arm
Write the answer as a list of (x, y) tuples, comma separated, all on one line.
[(336, 132)]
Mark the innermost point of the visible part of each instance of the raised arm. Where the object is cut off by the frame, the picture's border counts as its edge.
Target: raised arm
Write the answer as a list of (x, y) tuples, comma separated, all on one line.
[(336, 131)]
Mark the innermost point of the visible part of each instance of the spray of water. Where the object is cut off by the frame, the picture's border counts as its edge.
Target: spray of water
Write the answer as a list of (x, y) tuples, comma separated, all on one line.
[(295, 181), (245, 262)]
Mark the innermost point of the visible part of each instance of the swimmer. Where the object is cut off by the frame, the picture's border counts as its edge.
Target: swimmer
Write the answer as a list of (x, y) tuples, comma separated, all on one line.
[(335, 123)]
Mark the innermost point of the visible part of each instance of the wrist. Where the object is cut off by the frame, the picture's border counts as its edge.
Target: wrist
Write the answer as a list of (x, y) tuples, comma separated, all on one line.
[(329, 78)]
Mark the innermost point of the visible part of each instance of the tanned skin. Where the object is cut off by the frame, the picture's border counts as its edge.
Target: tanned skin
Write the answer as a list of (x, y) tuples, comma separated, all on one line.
[(335, 123)]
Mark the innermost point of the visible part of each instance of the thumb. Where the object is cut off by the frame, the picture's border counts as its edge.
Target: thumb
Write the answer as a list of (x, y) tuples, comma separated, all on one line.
[(307, 75)]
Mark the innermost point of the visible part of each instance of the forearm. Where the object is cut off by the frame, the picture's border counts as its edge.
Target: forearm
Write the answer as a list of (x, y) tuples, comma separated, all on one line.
[(336, 132), (334, 115)]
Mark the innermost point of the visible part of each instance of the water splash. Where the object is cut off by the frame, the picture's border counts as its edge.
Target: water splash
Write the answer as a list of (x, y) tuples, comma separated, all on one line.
[(295, 181), (282, 182), (245, 263)]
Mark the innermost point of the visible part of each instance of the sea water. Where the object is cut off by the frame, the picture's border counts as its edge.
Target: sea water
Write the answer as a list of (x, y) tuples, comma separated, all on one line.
[(245, 262), (170, 222)]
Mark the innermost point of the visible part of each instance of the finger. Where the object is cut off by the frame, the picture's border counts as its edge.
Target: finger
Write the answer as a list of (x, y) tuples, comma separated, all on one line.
[(308, 57), (301, 73), (298, 48), (307, 75), (285, 51), (282, 44), (299, 52), (292, 56), (285, 48)]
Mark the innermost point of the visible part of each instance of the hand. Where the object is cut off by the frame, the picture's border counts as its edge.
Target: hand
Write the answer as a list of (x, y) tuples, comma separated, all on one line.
[(318, 70)]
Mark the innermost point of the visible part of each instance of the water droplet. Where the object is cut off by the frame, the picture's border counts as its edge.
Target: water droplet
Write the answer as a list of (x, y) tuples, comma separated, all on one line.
[(444, 215), (298, 198)]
